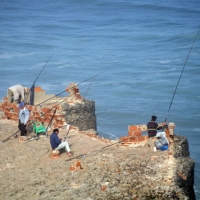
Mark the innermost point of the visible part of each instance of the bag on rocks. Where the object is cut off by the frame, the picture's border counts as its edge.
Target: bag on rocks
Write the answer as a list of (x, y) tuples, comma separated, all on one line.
[(163, 141), (161, 144), (158, 144)]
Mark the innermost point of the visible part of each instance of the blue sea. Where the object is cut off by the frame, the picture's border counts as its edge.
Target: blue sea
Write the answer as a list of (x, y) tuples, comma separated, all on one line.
[(127, 56)]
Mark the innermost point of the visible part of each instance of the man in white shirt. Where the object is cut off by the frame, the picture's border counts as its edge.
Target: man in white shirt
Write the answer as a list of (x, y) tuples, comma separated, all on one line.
[(23, 118), (17, 93)]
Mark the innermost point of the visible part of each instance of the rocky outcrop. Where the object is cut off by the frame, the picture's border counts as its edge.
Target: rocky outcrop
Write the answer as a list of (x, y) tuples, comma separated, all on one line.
[(127, 168), (185, 166), (108, 171), (80, 114)]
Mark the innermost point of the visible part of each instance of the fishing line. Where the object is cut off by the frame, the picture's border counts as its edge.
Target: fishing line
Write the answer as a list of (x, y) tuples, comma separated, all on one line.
[(181, 74), (33, 85), (70, 88), (93, 77), (99, 149), (44, 66)]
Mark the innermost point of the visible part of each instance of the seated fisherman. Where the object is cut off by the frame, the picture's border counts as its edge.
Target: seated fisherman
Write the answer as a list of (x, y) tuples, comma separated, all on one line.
[(57, 143), (17, 93), (152, 127)]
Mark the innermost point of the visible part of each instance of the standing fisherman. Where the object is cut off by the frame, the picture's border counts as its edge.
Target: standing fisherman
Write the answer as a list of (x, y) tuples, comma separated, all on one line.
[(23, 118), (17, 93)]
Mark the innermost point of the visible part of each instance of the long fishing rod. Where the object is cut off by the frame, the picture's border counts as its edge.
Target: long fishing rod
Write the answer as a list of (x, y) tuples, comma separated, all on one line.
[(33, 85), (181, 74), (84, 154), (50, 122), (69, 88), (93, 77), (43, 67), (10, 136)]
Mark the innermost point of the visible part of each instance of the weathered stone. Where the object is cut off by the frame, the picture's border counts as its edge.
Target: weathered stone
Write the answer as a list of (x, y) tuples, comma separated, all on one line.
[(81, 114)]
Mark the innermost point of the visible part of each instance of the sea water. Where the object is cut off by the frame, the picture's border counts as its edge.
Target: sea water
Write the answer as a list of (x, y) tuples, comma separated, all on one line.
[(136, 52)]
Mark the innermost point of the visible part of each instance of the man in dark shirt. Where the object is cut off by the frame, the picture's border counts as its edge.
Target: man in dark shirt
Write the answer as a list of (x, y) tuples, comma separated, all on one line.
[(152, 127), (57, 143)]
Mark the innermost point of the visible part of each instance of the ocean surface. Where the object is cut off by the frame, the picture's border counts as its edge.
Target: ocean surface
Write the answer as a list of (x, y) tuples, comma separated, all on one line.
[(135, 49)]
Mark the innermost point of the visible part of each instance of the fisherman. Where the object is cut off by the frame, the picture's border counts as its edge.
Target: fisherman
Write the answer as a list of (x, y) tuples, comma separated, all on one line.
[(23, 118), (17, 92), (57, 143), (152, 127)]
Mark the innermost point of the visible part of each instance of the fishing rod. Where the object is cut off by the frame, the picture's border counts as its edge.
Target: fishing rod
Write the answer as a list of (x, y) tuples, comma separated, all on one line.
[(69, 88), (181, 74), (93, 77), (51, 120), (68, 129), (84, 155), (33, 85), (43, 67), (10, 136), (46, 128)]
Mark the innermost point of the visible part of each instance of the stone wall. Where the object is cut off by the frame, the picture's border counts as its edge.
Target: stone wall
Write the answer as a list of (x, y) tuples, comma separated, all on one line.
[(81, 114), (74, 110)]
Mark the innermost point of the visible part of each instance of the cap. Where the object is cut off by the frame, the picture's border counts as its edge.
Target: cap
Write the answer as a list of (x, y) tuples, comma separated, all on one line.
[(21, 104), (153, 117)]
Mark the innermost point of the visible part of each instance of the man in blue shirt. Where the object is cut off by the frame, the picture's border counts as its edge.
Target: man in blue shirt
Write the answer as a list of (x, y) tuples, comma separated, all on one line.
[(23, 116), (57, 143)]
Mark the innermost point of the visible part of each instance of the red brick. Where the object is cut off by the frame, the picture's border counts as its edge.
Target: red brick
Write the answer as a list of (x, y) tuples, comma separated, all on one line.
[(14, 118), (9, 114), (5, 99), (54, 156), (34, 108), (141, 138), (132, 128), (38, 89), (167, 132), (56, 107), (37, 114), (130, 133), (125, 138), (15, 114), (72, 168), (133, 139), (78, 164), (137, 133), (103, 188), (5, 104), (43, 109)]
